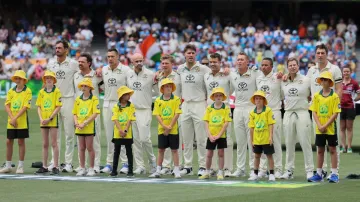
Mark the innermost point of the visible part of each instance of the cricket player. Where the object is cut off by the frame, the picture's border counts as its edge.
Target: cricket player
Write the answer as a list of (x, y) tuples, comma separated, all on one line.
[(141, 81), (85, 62), (215, 79), (269, 83), (65, 69), (167, 62), (194, 106), (297, 123), (323, 65), (244, 83), (114, 76)]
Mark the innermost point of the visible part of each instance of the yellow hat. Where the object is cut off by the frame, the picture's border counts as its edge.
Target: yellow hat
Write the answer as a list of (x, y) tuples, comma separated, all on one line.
[(259, 93), (86, 82), (124, 90), (167, 81), (218, 90), (325, 75), (21, 74), (49, 73)]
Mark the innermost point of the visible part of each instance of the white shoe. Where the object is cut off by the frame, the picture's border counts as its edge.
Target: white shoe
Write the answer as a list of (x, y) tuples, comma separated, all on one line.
[(253, 177), (165, 171), (262, 174), (272, 177), (155, 175), (186, 171), (153, 167), (277, 174), (91, 172), (20, 170), (238, 173), (201, 172), (82, 172), (51, 166), (76, 170), (6, 170), (287, 175), (227, 173), (97, 169), (124, 169), (106, 169), (139, 171), (67, 169), (309, 175), (212, 173)]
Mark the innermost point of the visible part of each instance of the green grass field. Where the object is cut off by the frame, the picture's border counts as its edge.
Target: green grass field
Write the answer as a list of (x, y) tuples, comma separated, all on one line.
[(50, 190)]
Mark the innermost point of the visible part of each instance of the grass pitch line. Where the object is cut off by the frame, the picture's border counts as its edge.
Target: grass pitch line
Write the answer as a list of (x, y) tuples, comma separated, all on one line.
[(262, 184)]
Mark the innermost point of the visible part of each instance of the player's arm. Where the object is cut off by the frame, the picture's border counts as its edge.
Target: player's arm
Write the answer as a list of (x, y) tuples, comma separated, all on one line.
[(223, 129), (357, 91), (21, 112), (207, 129), (39, 114), (331, 120), (92, 118), (158, 118), (55, 112), (174, 120), (8, 111), (271, 131), (338, 89), (252, 136), (76, 120), (316, 118)]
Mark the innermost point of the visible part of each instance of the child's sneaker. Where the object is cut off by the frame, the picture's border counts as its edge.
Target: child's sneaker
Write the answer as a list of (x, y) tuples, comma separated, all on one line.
[(253, 177), (287, 175), (204, 177), (20, 170), (334, 178), (5, 170), (42, 170), (124, 169), (155, 175), (177, 175), (220, 176), (82, 172), (349, 151), (91, 172), (262, 174), (227, 173), (106, 169), (272, 177), (55, 171), (186, 171), (165, 171), (315, 178)]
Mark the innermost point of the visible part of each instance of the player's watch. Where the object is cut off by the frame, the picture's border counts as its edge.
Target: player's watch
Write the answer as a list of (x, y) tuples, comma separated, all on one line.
[(125, 131), (51, 119)]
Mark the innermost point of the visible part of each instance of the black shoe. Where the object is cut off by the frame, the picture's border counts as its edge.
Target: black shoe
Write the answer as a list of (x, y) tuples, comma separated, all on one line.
[(130, 175), (113, 174), (42, 170), (55, 171)]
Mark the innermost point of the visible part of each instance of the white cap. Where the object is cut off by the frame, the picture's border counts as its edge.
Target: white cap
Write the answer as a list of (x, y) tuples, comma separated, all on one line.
[(199, 27)]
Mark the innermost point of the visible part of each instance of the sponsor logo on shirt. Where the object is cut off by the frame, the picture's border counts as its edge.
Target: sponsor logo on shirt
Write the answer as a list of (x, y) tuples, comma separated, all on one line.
[(216, 119), (213, 84), (16, 104), (47, 104), (293, 92), (265, 89), (242, 86), (189, 78), (83, 111), (112, 82), (260, 125), (324, 109), (123, 118), (60, 74), (137, 85), (166, 111)]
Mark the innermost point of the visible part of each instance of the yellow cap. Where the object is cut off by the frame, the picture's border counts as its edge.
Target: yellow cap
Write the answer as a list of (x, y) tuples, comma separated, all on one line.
[(86, 82), (325, 75), (218, 90), (259, 93), (124, 90), (21, 74), (167, 81), (49, 73)]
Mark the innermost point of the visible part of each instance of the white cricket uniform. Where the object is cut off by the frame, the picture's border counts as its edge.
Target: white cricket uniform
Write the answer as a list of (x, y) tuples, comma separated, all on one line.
[(143, 85), (271, 86), (113, 79), (96, 81), (193, 108), (297, 123), (167, 155), (244, 86), (223, 81), (65, 72), (312, 74)]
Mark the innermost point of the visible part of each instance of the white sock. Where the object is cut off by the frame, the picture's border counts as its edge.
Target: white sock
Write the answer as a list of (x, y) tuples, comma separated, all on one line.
[(319, 171), (220, 172), (176, 169), (334, 171), (21, 164), (8, 164), (207, 171), (158, 169)]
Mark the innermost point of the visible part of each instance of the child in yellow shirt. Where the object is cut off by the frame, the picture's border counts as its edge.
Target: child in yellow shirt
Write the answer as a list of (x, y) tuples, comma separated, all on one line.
[(86, 109), (217, 118), (49, 104), (123, 115), (261, 133), (18, 101), (167, 111)]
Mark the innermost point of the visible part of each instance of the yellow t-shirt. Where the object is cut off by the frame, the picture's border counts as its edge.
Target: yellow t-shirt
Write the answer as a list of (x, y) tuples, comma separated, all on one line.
[(48, 101), (18, 100), (167, 109), (325, 107), (83, 109), (217, 118), (260, 122), (123, 115)]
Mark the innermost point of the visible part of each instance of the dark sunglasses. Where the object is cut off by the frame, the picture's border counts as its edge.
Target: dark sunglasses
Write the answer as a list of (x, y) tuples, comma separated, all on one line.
[(204, 63)]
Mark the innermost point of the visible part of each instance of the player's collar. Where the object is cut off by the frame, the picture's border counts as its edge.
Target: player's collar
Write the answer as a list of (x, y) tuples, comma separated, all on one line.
[(331, 93), (326, 68), (127, 104), (24, 89), (52, 90), (222, 106), (296, 77), (264, 108), (196, 66), (90, 97), (67, 59), (162, 97), (247, 73)]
